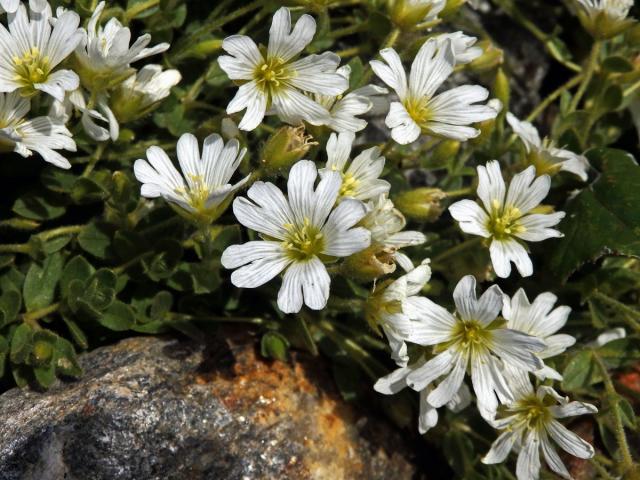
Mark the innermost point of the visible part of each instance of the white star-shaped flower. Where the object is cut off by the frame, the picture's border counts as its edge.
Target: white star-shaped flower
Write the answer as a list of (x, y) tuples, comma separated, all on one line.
[(275, 80), (506, 219), (471, 340), (540, 320), (203, 190), (41, 134), (360, 179), (543, 155), (32, 49), (300, 233), (420, 110), (531, 424)]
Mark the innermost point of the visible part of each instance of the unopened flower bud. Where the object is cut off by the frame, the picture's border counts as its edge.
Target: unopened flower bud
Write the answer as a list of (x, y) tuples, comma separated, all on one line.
[(501, 87), (406, 14), (284, 147), (422, 204), (442, 154), (373, 262), (205, 48), (490, 59)]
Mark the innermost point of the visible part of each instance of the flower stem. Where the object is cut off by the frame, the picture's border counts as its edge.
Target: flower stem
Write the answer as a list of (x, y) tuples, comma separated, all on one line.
[(631, 315), (590, 68), (215, 318), (15, 248), (32, 317), (95, 158), (60, 231), (462, 192), (456, 249), (621, 438)]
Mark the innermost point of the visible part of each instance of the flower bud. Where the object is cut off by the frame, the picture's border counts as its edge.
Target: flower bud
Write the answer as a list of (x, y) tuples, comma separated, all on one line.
[(422, 204), (205, 48), (442, 154), (501, 87), (406, 14), (284, 147), (490, 59), (452, 7), (373, 262)]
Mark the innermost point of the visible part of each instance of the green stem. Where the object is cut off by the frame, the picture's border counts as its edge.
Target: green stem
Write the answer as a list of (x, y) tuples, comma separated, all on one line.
[(631, 89), (456, 249), (214, 318), (542, 106), (95, 158), (621, 437), (370, 365), (590, 68), (15, 248), (350, 30), (462, 192), (630, 314), (60, 231), (130, 263), (32, 317), (602, 471)]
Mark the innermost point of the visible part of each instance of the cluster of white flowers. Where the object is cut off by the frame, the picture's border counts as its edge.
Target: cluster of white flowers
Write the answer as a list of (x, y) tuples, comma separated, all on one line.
[(83, 69)]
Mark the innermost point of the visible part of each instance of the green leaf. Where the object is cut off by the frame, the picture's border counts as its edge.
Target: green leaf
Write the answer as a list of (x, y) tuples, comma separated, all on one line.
[(118, 317), (38, 207), (10, 304), (274, 345), (87, 190), (40, 282), (76, 332), (58, 180), (66, 360), (617, 64), (581, 372), (45, 375), (21, 343), (603, 219), (96, 240), (164, 261), (78, 268), (161, 305)]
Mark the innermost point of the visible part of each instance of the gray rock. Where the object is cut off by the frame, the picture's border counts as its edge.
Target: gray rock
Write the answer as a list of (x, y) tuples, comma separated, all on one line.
[(153, 408)]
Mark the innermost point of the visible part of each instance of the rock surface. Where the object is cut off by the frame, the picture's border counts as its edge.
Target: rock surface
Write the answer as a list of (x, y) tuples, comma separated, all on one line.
[(154, 408)]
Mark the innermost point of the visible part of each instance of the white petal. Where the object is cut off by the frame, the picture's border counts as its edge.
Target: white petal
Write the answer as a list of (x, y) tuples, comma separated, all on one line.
[(285, 43), (315, 284), (471, 217), (553, 460), (392, 73), (528, 465), (517, 348), (260, 271), (503, 252), (292, 107), (422, 376), (526, 191), (235, 256), (338, 150), (428, 416), (404, 129), (433, 324), (569, 441), (251, 98), (526, 131), (491, 186), (537, 226), (501, 447), (394, 382), (485, 310), (430, 68), (572, 409), (451, 384), (302, 177)]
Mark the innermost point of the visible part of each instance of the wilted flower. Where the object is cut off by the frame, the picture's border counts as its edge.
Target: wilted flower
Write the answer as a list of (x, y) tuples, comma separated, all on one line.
[(41, 134), (286, 146), (505, 218), (422, 204), (300, 233), (530, 424), (203, 192), (360, 179), (471, 340), (419, 110), (33, 48), (543, 155), (139, 94), (276, 80)]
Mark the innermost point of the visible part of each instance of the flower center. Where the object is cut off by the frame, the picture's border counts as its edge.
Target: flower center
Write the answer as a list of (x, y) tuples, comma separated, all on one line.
[(532, 411), (197, 193), (30, 69), (418, 109), (303, 242), (471, 335), (272, 74), (349, 185), (504, 222)]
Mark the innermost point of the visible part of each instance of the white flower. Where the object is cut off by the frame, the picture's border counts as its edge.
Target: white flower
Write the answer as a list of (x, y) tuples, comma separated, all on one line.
[(617, 9), (41, 134), (32, 49), (300, 233), (140, 93), (540, 320), (359, 180), (396, 381), (205, 191), (276, 80), (384, 309), (469, 341), (531, 424), (506, 219), (386, 224), (448, 114), (105, 56), (344, 110), (12, 5), (462, 45), (544, 155)]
